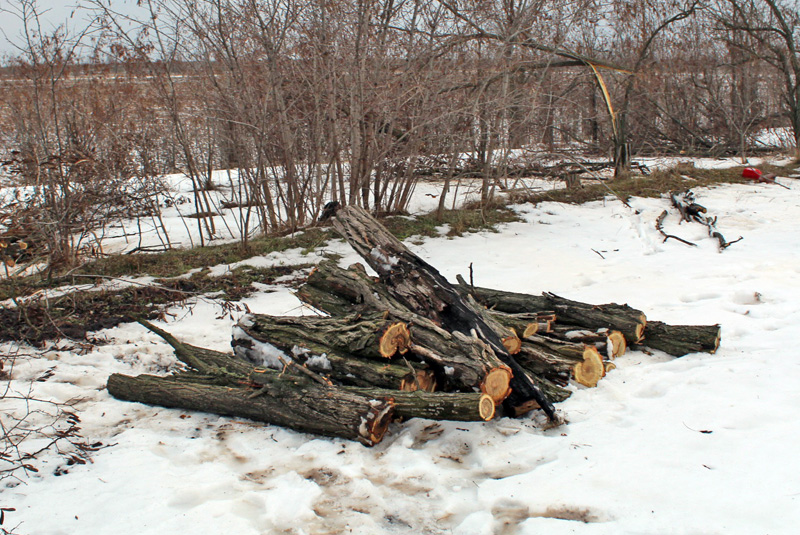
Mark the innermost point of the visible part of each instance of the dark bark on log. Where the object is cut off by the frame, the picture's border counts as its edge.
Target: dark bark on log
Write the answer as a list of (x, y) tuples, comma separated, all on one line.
[(628, 320), (361, 335), (340, 367), (422, 289), (461, 362), (553, 391), (298, 405), (525, 323), (457, 406), (338, 291), (680, 340)]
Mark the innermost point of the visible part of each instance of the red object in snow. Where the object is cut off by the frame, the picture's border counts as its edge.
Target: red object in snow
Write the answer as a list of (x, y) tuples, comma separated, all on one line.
[(751, 172)]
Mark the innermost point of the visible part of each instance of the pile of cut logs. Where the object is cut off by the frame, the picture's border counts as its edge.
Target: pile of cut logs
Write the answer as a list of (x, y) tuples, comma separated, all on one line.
[(404, 344)]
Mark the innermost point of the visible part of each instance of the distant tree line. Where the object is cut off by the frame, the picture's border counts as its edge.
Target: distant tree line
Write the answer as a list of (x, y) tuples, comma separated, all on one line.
[(308, 101)]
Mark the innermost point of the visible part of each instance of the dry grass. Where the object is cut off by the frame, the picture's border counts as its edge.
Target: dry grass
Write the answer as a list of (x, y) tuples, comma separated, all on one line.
[(680, 177)]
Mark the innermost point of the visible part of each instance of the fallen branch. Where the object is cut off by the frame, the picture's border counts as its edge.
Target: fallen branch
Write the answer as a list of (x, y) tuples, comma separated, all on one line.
[(660, 228), (691, 211)]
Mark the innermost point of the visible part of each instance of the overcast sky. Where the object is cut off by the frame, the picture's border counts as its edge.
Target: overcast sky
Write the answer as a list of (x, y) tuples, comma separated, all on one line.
[(53, 13)]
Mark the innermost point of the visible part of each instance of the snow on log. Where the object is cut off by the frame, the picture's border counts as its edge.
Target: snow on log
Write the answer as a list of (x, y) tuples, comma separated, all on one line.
[(423, 290)]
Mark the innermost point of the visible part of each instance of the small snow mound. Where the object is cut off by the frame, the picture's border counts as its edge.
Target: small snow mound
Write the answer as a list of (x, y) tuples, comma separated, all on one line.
[(259, 353)]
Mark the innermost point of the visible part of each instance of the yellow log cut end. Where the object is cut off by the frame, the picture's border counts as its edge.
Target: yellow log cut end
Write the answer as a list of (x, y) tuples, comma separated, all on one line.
[(395, 339), (530, 329), (496, 384), (608, 366), (512, 344), (486, 407), (618, 344), (591, 370), (423, 380)]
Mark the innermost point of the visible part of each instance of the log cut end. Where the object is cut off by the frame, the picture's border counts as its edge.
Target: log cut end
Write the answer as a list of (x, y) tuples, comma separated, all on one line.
[(525, 408), (395, 339), (496, 384), (512, 344), (530, 329), (423, 380), (591, 370), (618, 344), (486, 407), (376, 423), (537, 327), (608, 366), (639, 330), (717, 340)]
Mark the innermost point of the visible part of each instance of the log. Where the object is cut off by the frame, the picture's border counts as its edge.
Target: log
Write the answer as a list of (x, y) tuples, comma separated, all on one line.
[(474, 406), (461, 362), (204, 361), (341, 368), (611, 344), (680, 340), (296, 404), (339, 292), (545, 362), (366, 336), (423, 290), (618, 344), (525, 323), (629, 321)]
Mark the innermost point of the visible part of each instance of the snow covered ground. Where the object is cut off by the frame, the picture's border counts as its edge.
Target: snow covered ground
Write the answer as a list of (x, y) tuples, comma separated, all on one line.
[(704, 444)]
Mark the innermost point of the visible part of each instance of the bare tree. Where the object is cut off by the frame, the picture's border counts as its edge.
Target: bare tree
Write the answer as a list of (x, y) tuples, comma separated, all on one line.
[(774, 28)]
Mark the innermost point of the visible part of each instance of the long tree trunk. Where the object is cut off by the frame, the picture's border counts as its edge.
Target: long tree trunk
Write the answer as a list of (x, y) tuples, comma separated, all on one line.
[(680, 340), (298, 405)]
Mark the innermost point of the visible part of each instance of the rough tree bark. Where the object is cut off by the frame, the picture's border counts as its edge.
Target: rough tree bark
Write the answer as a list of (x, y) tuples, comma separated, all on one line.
[(421, 288), (629, 321), (680, 340), (297, 404), (460, 362)]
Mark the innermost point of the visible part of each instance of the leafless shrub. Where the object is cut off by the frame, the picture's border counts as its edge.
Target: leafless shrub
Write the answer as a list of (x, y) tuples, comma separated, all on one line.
[(31, 427)]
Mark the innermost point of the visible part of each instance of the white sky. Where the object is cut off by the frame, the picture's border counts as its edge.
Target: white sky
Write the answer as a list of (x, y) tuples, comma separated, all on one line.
[(52, 13)]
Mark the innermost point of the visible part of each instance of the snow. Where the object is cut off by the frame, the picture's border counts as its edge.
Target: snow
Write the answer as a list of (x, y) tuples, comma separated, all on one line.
[(701, 444)]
